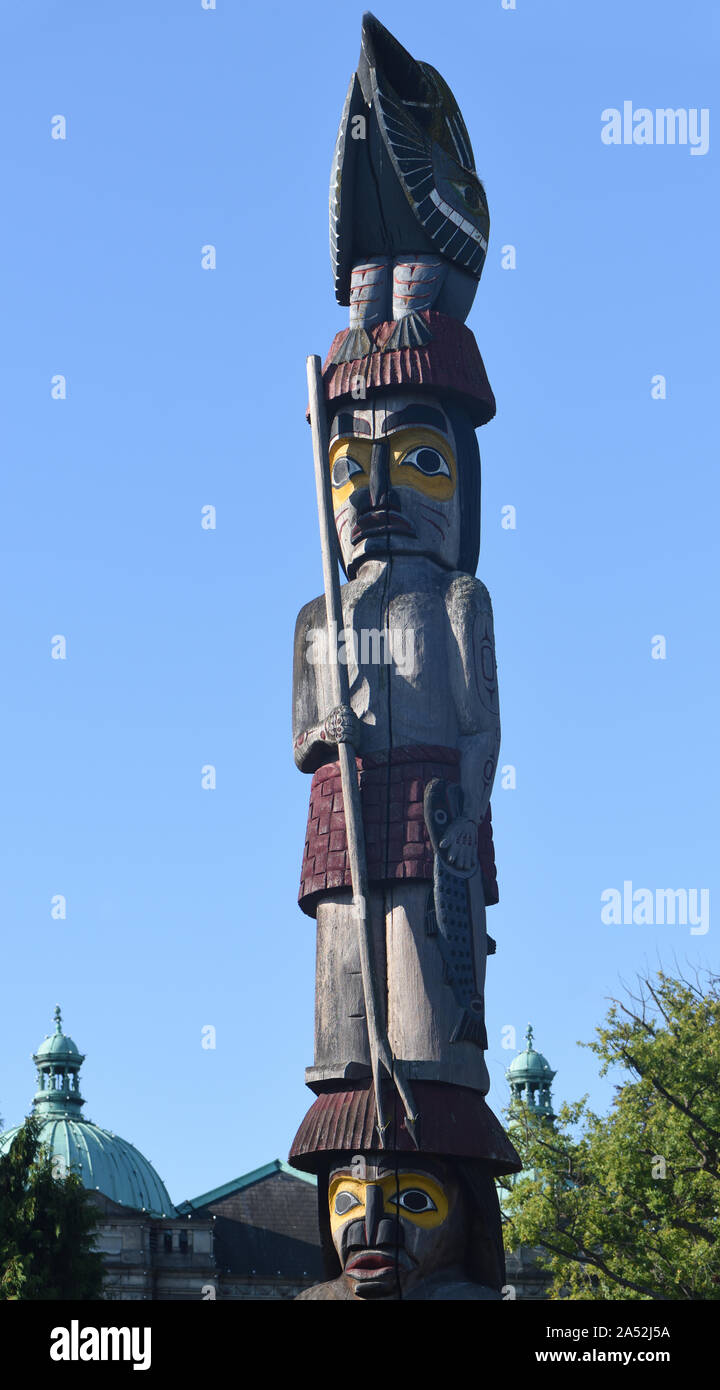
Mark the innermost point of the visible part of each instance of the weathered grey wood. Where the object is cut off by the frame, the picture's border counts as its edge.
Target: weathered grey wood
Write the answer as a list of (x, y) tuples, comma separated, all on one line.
[(341, 1035), (421, 1009), (378, 1045), (444, 693)]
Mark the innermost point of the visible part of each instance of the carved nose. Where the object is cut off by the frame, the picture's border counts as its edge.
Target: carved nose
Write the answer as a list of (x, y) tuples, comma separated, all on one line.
[(374, 1203), (381, 494)]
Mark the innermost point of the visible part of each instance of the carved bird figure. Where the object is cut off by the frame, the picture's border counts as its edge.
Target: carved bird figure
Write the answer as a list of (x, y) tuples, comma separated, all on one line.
[(409, 220)]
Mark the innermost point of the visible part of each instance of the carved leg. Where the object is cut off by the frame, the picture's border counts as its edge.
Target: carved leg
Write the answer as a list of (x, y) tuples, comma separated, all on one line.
[(341, 1040), (422, 1010)]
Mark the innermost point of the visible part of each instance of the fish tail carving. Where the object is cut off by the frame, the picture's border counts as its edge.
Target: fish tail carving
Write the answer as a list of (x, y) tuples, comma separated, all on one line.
[(471, 1028)]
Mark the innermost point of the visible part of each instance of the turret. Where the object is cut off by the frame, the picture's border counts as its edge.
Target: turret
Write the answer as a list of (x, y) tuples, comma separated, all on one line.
[(530, 1076), (58, 1061)]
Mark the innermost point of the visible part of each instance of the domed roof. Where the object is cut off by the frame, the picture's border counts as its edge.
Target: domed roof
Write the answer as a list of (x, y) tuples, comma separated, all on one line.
[(58, 1044), (103, 1161), (530, 1065)]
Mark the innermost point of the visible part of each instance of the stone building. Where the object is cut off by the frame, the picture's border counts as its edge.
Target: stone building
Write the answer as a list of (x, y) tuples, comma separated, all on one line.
[(255, 1237), (265, 1226)]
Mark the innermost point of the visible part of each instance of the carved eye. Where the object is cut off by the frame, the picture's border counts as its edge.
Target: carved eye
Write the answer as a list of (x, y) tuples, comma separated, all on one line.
[(344, 1202), (469, 195), (343, 469), (440, 817), (414, 1200), (427, 461)]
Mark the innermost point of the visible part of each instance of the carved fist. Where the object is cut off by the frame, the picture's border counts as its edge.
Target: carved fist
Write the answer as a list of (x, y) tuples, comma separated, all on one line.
[(342, 726), (459, 844)]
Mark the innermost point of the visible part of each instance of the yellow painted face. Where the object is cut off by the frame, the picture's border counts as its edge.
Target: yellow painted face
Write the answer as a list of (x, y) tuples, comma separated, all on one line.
[(420, 458), (415, 1197)]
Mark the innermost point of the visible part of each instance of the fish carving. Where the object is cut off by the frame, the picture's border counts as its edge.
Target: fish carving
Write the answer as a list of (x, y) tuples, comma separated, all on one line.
[(449, 916)]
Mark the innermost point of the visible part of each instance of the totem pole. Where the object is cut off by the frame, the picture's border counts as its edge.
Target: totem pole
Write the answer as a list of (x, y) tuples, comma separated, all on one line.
[(395, 713)]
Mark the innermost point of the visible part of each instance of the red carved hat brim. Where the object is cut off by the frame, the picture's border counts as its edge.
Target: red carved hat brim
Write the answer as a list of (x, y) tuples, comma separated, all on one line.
[(455, 1122), (449, 364)]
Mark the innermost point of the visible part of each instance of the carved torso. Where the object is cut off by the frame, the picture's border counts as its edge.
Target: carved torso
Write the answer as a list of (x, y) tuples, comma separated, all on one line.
[(438, 686)]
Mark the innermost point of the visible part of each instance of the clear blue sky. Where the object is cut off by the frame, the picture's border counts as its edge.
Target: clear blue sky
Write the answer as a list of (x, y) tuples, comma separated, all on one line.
[(186, 387)]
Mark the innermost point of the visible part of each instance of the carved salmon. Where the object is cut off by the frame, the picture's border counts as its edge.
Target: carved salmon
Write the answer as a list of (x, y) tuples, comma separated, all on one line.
[(449, 916)]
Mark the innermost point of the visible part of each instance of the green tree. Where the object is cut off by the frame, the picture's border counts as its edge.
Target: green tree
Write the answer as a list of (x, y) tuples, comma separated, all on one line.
[(625, 1206), (47, 1225)]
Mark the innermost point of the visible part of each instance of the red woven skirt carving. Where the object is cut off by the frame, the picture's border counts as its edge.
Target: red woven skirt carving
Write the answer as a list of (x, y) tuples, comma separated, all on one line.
[(392, 786)]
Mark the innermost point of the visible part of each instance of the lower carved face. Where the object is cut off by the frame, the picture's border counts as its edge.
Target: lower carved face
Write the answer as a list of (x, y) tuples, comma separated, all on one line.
[(393, 1227), (395, 481)]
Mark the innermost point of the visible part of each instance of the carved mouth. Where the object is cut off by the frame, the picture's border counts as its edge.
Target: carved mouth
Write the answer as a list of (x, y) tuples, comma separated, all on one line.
[(377, 523), (369, 1263)]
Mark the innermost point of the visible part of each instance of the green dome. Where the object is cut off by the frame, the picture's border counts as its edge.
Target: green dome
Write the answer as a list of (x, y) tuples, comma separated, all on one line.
[(103, 1161), (530, 1064), (58, 1044), (530, 1075)]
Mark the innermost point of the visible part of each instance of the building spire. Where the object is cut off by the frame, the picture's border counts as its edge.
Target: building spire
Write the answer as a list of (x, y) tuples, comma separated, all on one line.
[(58, 1061)]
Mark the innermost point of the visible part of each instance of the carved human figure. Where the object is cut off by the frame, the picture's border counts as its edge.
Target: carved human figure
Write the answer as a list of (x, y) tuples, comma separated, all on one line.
[(418, 643), (402, 1231)]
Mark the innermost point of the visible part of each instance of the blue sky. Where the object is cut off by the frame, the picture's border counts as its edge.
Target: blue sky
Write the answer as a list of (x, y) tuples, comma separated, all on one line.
[(186, 387)]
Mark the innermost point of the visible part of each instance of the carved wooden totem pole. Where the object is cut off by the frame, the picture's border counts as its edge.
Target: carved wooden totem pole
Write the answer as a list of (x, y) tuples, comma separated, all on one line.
[(396, 713)]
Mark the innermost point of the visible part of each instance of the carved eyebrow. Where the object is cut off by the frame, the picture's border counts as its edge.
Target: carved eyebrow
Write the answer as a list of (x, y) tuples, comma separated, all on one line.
[(347, 1174), (397, 1173), (416, 415), (349, 423)]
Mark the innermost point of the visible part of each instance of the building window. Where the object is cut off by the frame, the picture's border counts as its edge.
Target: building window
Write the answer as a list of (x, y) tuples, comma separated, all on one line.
[(108, 1244), (184, 1242), (167, 1242)]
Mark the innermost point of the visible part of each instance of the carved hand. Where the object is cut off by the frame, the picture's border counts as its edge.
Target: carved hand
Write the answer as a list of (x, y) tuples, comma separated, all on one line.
[(343, 726), (459, 843)]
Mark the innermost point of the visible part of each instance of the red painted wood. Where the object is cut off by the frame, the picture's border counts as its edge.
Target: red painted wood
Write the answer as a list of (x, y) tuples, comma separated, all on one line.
[(455, 1122), (397, 844)]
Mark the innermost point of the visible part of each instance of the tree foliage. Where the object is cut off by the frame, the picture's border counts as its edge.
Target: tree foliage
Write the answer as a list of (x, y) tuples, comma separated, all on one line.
[(626, 1206), (47, 1226)]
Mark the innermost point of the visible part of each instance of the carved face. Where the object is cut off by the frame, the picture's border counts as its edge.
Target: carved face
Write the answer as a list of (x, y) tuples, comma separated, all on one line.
[(395, 481), (393, 1227)]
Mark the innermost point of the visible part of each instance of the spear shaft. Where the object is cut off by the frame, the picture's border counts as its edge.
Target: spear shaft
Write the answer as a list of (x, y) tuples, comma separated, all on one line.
[(380, 1052)]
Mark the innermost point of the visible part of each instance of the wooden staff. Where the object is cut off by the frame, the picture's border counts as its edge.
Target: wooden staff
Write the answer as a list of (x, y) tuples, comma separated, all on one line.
[(380, 1053)]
